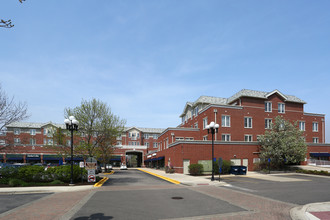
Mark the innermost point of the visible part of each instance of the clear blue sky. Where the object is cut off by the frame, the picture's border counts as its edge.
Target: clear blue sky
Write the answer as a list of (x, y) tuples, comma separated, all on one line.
[(146, 59)]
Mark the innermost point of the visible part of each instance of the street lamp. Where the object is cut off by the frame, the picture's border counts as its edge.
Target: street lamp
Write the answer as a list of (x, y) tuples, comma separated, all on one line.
[(71, 125), (213, 128)]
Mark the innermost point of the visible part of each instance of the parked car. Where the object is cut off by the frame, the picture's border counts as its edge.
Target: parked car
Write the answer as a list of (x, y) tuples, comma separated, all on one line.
[(123, 167), (109, 167), (98, 169)]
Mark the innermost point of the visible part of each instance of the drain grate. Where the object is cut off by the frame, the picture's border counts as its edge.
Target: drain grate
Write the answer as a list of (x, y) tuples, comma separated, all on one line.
[(177, 197)]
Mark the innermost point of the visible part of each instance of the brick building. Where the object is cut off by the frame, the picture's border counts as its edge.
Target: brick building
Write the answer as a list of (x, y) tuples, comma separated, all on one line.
[(25, 142), (242, 117)]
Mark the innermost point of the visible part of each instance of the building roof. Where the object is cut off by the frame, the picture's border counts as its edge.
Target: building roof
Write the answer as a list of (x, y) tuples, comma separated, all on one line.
[(33, 125), (243, 93), (263, 95), (146, 130)]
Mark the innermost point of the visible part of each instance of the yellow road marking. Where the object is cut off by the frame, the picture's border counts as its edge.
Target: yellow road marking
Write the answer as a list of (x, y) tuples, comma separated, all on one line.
[(102, 181), (162, 177)]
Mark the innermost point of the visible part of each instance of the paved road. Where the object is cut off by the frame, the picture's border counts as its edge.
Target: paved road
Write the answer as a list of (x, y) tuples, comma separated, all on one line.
[(133, 194), (296, 189)]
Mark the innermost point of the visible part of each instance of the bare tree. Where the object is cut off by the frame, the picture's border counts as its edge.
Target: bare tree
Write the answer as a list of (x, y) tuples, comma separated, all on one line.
[(10, 111), (8, 24)]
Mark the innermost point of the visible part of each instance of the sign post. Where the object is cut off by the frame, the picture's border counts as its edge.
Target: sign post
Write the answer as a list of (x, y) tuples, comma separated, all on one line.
[(90, 167), (220, 165)]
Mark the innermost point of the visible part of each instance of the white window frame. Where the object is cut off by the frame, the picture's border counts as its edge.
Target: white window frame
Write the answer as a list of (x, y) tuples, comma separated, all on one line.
[(248, 122), (268, 123), (155, 145), (205, 138), (17, 131), (225, 137), (179, 138), (268, 106), (196, 111), (315, 127), (32, 131), (204, 122), (17, 140), (316, 140), (225, 121), (189, 138), (302, 126), (2, 142), (33, 141), (196, 125), (248, 138), (281, 108)]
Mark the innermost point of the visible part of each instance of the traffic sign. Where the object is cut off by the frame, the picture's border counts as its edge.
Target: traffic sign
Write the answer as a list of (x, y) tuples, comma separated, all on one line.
[(91, 172), (220, 162), (91, 178)]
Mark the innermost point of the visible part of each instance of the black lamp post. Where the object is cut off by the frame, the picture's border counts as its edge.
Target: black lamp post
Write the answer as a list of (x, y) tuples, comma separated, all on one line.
[(71, 125), (213, 128)]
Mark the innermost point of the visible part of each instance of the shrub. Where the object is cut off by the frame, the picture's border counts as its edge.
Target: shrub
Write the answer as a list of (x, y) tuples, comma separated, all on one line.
[(16, 182), (8, 172), (196, 169), (225, 168), (31, 173), (63, 173)]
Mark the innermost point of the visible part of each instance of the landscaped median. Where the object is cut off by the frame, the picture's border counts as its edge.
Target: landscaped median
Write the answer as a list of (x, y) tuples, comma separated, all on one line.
[(162, 177)]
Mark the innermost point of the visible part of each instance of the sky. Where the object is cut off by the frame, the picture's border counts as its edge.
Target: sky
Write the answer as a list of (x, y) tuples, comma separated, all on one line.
[(146, 58)]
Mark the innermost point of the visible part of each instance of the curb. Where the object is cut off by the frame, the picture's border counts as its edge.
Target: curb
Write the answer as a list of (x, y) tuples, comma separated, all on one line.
[(162, 177), (101, 182)]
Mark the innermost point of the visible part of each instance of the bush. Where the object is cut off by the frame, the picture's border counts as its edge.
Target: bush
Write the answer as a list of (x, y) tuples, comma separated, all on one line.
[(16, 182), (63, 173), (225, 168), (196, 169), (8, 172), (31, 173)]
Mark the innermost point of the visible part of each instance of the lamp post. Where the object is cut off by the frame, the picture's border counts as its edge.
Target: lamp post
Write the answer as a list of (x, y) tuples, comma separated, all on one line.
[(71, 125), (213, 128)]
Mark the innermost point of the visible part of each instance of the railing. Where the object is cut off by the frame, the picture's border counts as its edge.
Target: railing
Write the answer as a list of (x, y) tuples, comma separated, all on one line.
[(321, 163)]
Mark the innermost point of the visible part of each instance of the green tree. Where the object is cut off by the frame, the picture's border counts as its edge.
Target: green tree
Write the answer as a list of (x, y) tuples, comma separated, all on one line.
[(283, 144), (98, 127)]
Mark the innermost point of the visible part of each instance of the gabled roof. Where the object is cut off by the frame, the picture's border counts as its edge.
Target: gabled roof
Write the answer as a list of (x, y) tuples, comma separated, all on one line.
[(242, 93), (33, 125), (146, 130), (263, 95), (205, 100)]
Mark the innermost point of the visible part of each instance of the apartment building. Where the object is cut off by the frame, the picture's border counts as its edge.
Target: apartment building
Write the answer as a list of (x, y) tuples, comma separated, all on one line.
[(26, 142), (242, 118)]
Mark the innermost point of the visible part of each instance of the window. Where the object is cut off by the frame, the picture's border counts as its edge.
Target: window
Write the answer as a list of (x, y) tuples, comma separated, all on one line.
[(205, 138), (146, 136), (315, 126), (119, 143), (196, 125), (17, 131), (17, 140), (225, 137), (2, 142), (32, 141), (45, 131), (204, 122), (281, 108), (268, 123), (225, 121), (183, 119), (155, 145), (248, 138), (179, 139), (146, 144), (247, 122), (50, 142), (196, 111), (155, 136), (189, 139), (32, 131), (315, 140), (256, 160), (268, 107), (2, 133), (302, 126)]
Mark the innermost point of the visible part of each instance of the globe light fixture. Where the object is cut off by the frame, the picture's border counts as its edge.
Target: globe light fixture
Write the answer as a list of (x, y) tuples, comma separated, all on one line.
[(71, 125), (213, 128)]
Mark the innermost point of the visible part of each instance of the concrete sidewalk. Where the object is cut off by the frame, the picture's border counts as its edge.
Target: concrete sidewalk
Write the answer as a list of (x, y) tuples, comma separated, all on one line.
[(313, 211), (44, 189)]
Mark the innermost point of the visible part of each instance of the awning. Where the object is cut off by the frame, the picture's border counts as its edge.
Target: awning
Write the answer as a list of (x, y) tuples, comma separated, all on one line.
[(75, 158), (33, 158), (154, 159), (319, 154), (115, 159)]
